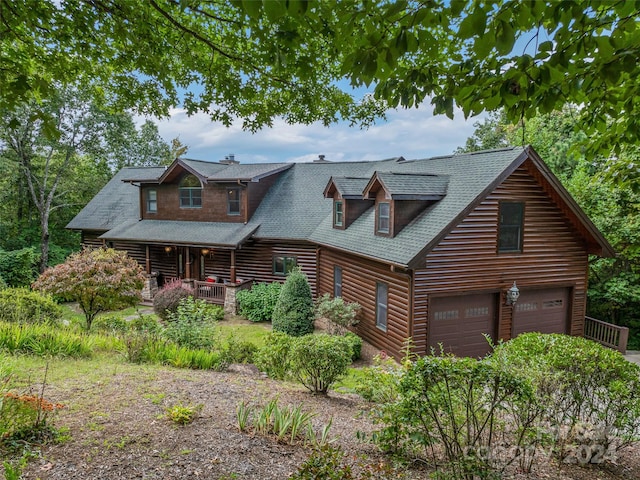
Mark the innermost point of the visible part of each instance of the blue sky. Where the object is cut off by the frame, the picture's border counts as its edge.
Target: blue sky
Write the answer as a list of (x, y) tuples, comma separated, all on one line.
[(413, 133)]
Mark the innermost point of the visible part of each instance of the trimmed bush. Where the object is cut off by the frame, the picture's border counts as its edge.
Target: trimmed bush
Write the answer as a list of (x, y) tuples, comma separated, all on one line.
[(168, 298), (21, 305), (273, 357), (589, 393), (318, 361), (258, 303), (294, 313)]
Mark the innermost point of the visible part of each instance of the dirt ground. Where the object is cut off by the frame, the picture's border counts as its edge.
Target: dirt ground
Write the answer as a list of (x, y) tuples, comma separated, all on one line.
[(120, 431)]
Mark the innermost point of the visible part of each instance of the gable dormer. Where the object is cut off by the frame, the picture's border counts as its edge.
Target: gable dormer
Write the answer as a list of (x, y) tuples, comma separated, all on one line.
[(348, 203), (400, 197), (202, 191)]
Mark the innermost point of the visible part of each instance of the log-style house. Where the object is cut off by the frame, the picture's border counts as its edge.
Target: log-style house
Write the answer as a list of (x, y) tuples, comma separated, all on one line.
[(428, 247)]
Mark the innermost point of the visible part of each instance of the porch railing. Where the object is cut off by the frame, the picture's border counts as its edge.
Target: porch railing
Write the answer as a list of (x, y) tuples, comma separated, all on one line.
[(607, 334), (209, 292)]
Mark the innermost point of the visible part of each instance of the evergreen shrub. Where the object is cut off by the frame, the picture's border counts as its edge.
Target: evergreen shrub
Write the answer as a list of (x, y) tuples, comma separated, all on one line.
[(294, 312)]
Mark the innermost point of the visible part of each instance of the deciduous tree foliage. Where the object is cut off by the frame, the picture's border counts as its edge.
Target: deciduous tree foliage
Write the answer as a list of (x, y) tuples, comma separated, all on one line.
[(98, 279), (260, 59)]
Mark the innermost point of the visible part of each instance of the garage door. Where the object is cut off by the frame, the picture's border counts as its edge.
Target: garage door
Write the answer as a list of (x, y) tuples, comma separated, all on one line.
[(458, 323), (542, 311)]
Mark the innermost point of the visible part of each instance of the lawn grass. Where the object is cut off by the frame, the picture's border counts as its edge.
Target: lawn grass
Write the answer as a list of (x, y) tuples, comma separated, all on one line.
[(249, 332)]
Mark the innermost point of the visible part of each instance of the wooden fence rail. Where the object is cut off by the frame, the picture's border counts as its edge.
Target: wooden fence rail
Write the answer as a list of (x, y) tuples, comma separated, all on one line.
[(607, 334)]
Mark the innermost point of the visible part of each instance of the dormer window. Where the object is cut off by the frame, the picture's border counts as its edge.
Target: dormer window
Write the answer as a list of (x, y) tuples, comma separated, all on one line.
[(338, 213), (190, 192), (384, 215)]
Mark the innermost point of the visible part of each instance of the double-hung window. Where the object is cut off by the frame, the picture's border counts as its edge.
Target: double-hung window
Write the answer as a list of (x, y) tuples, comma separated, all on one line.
[(233, 201), (510, 227), (338, 213), (384, 215), (190, 192), (152, 200)]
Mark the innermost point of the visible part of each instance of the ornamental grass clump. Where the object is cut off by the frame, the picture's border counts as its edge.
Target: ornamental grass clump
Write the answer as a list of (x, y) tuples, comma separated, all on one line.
[(42, 340)]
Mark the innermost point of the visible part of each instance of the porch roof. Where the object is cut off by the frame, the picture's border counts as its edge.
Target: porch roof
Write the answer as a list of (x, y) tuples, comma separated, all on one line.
[(214, 234)]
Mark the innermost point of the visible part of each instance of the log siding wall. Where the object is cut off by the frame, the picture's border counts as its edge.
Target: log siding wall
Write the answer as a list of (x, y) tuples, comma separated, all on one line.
[(359, 278), (466, 260)]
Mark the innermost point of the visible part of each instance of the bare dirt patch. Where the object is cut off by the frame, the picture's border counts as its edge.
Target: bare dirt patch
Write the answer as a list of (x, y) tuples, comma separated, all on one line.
[(118, 430)]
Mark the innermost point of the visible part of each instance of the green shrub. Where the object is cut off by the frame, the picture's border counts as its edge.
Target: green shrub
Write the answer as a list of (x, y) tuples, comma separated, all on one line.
[(293, 313), (587, 392), (19, 268), (355, 343), (318, 361), (238, 351), (168, 298), (341, 314), (379, 383), (21, 305), (193, 324), (258, 303), (111, 323), (146, 324), (273, 357), (3, 284)]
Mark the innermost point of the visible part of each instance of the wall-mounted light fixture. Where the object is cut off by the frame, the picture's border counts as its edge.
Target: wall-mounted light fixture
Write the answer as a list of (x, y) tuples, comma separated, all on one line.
[(513, 294), (168, 249), (207, 251)]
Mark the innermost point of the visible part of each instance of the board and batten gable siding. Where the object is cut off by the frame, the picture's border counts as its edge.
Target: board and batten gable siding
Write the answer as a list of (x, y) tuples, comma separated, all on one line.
[(466, 261), (359, 278)]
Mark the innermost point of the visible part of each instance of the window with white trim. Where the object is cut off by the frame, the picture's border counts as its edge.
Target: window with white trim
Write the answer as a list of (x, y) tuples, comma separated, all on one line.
[(384, 215)]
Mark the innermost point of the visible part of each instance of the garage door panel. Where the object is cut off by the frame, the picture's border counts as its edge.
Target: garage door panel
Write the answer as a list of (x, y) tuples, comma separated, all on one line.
[(459, 324), (544, 311)]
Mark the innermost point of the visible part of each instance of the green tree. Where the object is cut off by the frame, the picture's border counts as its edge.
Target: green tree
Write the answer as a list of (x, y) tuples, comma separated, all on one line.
[(294, 313), (99, 280), (257, 60), (62, 172)]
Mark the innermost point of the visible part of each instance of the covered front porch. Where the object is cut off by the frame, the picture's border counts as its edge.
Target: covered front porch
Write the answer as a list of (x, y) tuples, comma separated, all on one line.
[(201, 254)]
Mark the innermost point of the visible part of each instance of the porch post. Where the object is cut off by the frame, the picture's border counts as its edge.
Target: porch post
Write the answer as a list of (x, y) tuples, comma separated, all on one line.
[(147, 259), (232, 267), (187, 272)]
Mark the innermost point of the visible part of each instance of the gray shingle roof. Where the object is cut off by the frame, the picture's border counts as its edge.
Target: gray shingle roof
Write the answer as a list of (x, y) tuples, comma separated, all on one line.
[(219, 234), (350, 187), (116, 202), (246, 172), (401, 185)]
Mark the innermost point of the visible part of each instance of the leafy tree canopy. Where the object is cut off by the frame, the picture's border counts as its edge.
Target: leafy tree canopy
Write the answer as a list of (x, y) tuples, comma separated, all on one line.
[(259, 59)]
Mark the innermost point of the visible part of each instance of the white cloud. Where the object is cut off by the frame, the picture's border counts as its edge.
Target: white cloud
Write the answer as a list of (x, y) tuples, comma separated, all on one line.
[(414, 133)]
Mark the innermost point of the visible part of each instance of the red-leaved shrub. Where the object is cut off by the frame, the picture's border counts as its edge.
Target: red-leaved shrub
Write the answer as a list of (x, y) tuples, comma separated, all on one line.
[(168, 298)]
